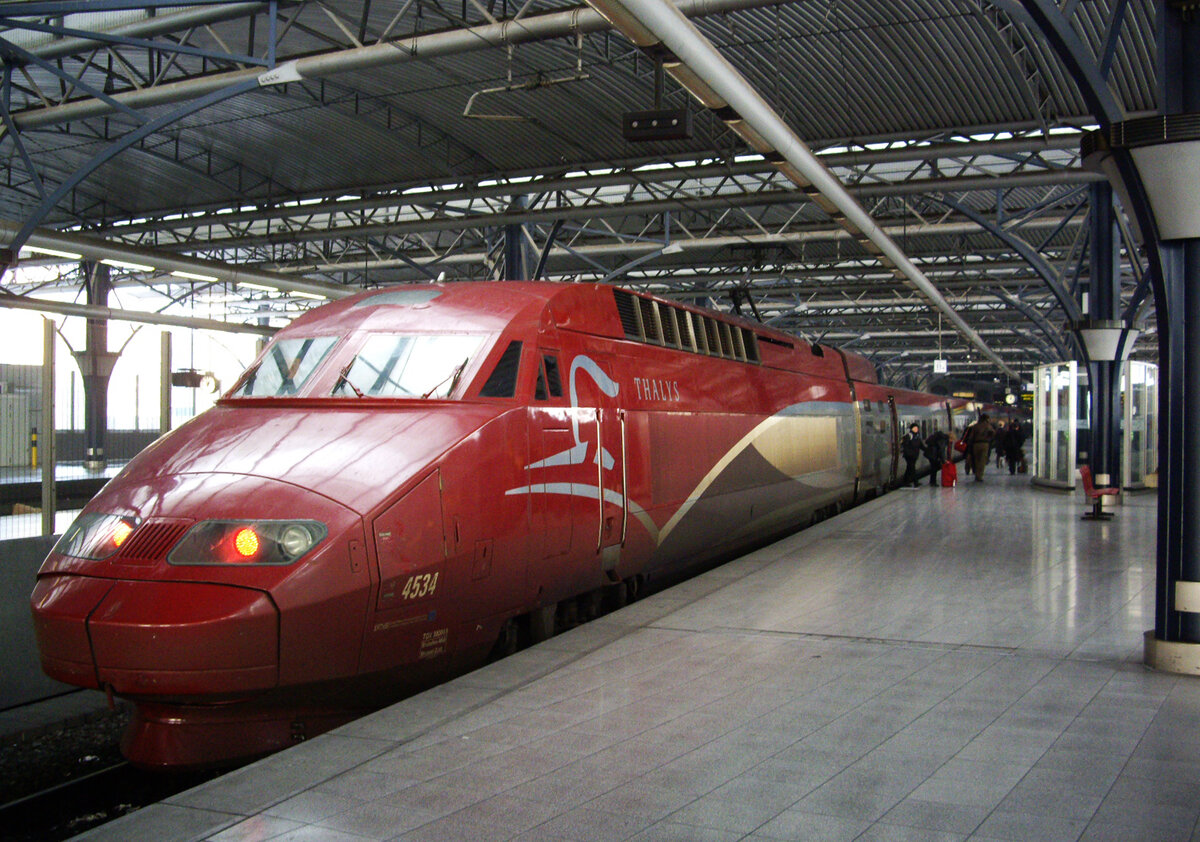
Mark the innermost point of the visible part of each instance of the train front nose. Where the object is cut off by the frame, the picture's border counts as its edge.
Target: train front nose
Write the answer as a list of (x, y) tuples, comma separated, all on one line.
[(165, 639)]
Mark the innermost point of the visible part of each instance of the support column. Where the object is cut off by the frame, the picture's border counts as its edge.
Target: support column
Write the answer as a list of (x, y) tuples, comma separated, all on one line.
[(1165, 166), (164, 384), (517, 265), (46, 444), (1104, 375), (95, 366)]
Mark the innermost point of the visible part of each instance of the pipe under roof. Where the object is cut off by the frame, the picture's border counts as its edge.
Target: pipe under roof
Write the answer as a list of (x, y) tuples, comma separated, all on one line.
[(95, 311), (709, 77), (81, 246)]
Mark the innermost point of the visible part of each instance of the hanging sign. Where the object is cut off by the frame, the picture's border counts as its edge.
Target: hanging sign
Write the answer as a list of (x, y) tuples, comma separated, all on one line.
[(940, 367)]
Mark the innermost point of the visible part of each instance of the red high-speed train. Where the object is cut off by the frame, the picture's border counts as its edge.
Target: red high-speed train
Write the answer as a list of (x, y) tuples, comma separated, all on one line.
[(407, 479)]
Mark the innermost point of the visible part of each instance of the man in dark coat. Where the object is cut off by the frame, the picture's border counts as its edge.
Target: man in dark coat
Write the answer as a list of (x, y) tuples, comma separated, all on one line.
[(935, 452), (979, 443), (910, 448), (1014, 441)]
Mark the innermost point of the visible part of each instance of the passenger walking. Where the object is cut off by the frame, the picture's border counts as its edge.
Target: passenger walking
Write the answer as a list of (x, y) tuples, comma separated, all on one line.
[(935, 452), (979, 443), (998, 442), (911, 448), (1014, 441)]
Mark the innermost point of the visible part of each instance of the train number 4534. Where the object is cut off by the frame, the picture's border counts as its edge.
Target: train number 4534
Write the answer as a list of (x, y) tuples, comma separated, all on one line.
[(420, 586)]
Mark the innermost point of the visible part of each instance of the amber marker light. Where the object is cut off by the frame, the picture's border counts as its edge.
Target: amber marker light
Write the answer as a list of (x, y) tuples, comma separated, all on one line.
[(246, 542), (120, 532)]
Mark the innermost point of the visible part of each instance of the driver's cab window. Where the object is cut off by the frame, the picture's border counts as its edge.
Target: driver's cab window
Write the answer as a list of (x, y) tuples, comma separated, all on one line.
[(549, 383)]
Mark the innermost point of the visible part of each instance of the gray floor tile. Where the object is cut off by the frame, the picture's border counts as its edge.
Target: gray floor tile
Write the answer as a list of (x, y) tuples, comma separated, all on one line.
[(812, 827), (667, 831), (256, 829), (310, 806), (1022, 827), (590, 825), (161, 823), (726, 814), (377, 820), (932, 815), (884, 832)]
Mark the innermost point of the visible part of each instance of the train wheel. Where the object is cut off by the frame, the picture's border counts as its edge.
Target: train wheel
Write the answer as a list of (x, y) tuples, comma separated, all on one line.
[(590, 605), (615, 596), (541, 622), (633, 587), (507, 643)]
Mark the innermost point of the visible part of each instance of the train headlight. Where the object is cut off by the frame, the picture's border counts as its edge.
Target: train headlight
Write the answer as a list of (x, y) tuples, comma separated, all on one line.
[(223, 542), (95, 536)]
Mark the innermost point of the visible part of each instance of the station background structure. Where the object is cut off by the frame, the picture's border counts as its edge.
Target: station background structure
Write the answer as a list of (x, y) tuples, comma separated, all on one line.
[(982, 183)]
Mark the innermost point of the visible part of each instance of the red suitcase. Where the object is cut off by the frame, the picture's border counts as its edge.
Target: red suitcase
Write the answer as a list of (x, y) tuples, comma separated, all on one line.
[(949, 475)]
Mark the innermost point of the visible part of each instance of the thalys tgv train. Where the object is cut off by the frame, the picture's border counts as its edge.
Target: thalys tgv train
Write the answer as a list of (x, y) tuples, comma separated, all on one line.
[(407, 479)]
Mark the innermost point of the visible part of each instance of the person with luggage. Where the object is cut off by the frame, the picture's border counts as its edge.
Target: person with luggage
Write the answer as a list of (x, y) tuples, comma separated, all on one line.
[(935, 452), (911, 448)]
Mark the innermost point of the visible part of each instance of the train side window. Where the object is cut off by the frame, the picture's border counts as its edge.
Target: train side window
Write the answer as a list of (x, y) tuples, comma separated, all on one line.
[(650, 323), (714, 337), (627, 310), (502, 382), (735, 339), (553, 381), (700, 334), (687, 331), (750, 343), (670, 329)]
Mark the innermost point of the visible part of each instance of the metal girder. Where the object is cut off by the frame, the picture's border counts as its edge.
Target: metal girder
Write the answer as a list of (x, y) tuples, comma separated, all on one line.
[(450, 42), (95, 311), (632, 172), (153, 24), (1043, 269), (93, 248), (625, 249), (437, 219), (1031, 313), (147, 128)]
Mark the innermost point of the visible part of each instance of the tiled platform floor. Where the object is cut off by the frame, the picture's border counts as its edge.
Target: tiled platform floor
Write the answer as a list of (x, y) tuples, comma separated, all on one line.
[(935, 665)]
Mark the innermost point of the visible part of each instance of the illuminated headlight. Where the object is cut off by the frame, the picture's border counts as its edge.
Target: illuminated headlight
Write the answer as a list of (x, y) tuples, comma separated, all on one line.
[(95, 536), (247, 542)]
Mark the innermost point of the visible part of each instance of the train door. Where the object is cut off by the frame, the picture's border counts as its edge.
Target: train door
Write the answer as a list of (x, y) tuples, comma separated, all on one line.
[(893, 440), (553, 453), (611, 480), (858, 439)]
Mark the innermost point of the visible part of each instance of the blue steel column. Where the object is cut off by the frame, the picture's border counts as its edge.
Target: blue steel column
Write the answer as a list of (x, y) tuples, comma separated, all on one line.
[(1179, 402), (1104, 375)]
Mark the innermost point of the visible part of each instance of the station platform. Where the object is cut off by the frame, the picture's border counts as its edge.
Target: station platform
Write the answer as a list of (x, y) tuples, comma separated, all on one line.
[(938, 664)]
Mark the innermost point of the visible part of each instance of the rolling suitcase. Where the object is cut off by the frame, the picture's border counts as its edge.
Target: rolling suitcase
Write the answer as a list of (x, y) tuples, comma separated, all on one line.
[(949, 475)]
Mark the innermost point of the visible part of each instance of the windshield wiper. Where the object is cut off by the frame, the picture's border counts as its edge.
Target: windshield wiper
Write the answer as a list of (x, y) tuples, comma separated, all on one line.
[(344, 377), (452, 377)]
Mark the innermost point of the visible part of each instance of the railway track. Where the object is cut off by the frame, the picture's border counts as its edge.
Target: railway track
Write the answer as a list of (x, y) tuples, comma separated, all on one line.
[(64, 810)]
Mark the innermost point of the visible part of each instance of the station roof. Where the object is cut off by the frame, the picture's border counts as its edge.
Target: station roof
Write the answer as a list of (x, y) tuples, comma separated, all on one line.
[(401, 141)]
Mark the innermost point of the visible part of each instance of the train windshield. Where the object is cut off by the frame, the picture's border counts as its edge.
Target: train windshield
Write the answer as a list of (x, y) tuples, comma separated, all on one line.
[(285, 368), (421, 366)]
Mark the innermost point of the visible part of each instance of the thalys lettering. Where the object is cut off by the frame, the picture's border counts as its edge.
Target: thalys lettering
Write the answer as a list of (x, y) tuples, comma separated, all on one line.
[(650, 389), (411, 480)]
